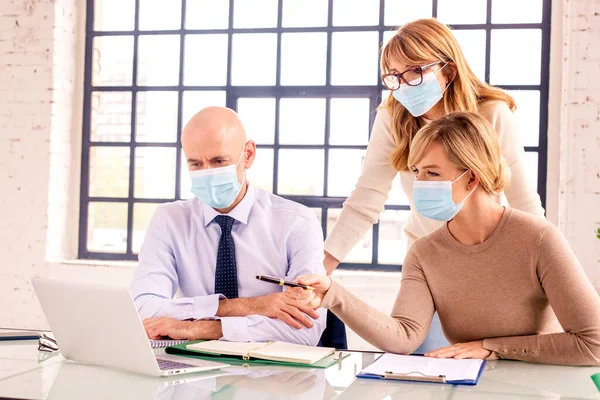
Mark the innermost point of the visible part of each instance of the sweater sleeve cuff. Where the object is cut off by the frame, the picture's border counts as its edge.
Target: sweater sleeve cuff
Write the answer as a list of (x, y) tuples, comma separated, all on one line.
[(332, 296)]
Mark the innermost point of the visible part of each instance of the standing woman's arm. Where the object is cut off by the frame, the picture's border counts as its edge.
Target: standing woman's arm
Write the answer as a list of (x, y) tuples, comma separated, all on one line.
[(362, 209), (519, 193)]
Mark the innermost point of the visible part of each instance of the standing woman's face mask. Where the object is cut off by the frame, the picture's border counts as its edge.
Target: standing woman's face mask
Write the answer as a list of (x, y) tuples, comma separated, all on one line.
[(440, 189), (417, 88)]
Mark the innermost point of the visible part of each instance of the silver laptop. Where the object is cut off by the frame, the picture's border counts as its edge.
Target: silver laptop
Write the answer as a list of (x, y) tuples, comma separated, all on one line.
[(99, 325)]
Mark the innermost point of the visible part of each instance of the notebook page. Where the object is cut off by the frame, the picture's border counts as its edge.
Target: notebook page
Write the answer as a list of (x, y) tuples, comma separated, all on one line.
[(454, 370), (223, 347), (281, 351)]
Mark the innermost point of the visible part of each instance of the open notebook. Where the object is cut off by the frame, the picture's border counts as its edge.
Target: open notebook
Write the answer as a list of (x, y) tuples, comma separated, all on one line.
[(418, 368), (273, 351)]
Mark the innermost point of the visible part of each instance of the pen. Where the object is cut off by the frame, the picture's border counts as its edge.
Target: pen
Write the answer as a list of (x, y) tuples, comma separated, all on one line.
[(282, 282)]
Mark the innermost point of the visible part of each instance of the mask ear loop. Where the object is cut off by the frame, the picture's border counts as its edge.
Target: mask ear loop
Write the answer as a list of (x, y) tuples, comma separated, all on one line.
[(238, 162), (471, 192), (448, 85)]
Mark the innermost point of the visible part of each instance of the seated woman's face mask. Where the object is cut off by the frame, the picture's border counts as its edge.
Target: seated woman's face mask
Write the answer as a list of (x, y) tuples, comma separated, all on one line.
[(433, 199), (217, 187)]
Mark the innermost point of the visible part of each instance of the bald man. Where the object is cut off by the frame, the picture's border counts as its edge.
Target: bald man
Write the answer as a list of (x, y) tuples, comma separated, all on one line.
[(212, 246)]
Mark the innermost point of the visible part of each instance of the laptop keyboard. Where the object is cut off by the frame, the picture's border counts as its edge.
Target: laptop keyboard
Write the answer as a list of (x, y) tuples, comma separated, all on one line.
[(167, 365)]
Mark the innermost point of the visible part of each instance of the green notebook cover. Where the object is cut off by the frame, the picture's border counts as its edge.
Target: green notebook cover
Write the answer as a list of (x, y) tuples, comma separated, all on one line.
[(181, 350), (596, 379)]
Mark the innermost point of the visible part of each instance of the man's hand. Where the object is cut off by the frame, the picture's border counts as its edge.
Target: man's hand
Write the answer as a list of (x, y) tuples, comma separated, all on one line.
[(460, 351), (157, 328), (285, 306)]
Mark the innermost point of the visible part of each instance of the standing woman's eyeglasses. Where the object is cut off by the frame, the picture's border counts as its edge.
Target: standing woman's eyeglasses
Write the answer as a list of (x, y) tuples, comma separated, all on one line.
[(411, 77)]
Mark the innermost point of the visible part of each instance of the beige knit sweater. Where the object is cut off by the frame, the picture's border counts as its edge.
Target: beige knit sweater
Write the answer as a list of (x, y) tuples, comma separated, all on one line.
[(522, 292), (365, 204)]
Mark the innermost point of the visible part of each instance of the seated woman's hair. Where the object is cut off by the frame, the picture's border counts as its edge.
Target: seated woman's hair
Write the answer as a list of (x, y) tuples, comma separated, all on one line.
[(470, 143)]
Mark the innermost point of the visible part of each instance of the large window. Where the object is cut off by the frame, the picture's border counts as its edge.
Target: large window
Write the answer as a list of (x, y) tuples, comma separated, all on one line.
[(303, 75)]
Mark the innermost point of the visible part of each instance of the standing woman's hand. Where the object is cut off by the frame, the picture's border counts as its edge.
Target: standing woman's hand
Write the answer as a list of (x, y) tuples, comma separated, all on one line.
[(311, 298), (330, 263)]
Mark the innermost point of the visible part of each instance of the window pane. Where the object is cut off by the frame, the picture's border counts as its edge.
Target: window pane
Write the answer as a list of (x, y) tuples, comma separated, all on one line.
[(355, 58), (254, 59), (462, 11), (156, 15), (397, 195), (355, 12), (258, 116), (255, 14), (472, 43), (531, 166), (305, 13), (528, 115), (302, 121), (156, 117), (194, 101), (205, 60), (114, 15), (349, 121), (392, 239), (344, 169), (111, 116), (399, 12), (504, 11), (318, 213), (387, 35), (142, 214), (503, 68), (303, 58), (109, 171), (301, 172), (154, 173), (363, 251), (107, 227), (185, 184), (158, 60), (206, 14), (261, 172), (113, 61)]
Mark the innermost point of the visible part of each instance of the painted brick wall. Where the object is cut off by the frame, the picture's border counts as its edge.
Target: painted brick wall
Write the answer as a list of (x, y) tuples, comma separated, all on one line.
[(37, 42), (579, 199)]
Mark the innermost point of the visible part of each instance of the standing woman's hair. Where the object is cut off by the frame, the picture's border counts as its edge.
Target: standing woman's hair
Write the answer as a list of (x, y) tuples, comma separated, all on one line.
[(419, 43), (470, 143)]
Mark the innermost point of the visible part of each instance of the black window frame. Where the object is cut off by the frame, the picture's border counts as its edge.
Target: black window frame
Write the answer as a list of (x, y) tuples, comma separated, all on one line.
[(233, 93)]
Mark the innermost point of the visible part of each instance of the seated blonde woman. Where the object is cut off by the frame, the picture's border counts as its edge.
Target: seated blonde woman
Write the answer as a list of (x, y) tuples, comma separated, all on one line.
[(504, 283)]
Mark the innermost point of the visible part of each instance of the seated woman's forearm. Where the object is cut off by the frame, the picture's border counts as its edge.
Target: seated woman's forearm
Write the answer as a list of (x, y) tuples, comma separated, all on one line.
[(395, 334), (555, 348)]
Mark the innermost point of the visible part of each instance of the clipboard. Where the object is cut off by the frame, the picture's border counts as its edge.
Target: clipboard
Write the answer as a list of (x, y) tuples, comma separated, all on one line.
[(416, 376)]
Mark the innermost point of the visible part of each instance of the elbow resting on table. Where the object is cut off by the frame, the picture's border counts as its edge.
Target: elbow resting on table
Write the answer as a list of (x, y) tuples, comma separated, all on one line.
[(593, 350)]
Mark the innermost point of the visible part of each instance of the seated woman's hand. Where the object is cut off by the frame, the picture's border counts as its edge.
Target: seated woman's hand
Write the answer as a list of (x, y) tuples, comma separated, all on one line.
[(461, 351), (311, 298)]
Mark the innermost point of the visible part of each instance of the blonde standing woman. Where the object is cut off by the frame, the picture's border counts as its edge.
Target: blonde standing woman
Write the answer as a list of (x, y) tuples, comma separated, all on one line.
[(429, 77), (505, 283)]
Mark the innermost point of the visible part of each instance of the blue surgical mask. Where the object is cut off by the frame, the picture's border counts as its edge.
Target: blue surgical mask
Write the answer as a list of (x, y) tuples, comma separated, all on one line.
[(433, 199), (420, 99), (217, 187)]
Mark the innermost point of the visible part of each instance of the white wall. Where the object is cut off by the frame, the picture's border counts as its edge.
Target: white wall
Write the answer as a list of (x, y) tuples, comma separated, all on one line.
[(41, 62), (579, 124)]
